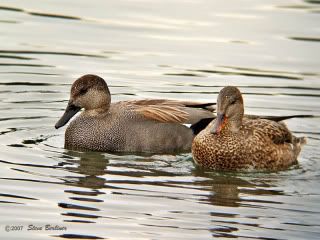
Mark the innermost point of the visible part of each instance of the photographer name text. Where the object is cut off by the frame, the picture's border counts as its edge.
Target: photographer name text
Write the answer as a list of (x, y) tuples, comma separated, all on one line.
[(34, 227)]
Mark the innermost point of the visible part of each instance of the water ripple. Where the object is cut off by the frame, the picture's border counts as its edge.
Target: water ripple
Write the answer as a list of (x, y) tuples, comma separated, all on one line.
[(308, 39), (34, 52), (268, 49)]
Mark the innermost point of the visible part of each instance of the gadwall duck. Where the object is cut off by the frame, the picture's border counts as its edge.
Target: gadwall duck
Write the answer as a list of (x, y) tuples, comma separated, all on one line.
[(234, 142), (139, 126)]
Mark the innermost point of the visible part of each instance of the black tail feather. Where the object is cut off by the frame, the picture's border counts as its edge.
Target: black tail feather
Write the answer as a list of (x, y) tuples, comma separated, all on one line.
[(281, 118), (199, 126), (200, 105)]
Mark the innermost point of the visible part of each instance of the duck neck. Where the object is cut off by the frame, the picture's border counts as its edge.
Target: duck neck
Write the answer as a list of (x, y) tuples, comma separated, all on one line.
[(99, 105), (234, 124), (102, 101)]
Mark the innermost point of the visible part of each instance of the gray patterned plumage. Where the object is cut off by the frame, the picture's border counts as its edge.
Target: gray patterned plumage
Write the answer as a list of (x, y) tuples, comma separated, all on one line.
[(139, 126), (235, 142)]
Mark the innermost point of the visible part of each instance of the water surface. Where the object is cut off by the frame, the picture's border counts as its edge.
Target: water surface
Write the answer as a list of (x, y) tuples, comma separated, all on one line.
[(155, 49)]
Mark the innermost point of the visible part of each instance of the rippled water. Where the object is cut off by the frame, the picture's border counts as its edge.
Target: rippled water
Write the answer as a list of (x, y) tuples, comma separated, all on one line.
[(159, 49)]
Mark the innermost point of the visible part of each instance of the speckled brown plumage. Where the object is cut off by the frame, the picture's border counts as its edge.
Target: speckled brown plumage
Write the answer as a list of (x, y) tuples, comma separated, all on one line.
[(150, 125), (234, 142)]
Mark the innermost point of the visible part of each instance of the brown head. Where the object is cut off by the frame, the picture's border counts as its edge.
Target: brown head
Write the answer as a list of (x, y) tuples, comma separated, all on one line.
[(89, 92), (230, 110)]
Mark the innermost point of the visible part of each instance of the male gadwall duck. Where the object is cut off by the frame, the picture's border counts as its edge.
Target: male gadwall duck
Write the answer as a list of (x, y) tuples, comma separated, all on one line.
[(235, 142), (139, 126)]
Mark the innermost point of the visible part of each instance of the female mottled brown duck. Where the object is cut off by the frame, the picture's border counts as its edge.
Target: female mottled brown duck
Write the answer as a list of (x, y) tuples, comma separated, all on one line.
[(235, 142), (139, 126)]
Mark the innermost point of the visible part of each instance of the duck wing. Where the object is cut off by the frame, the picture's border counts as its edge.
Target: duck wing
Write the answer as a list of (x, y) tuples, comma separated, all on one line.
[(275, 131), (174, 111), (166, 102)]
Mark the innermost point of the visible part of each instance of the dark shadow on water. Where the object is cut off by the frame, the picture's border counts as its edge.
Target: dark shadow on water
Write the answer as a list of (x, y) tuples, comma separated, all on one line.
[(245, 71), (309, 5), (250, 74), (307, 39), (54, 16), (16, 197), (51, 53), (25, 84), (51, 15), (24, 65), (77, 236), (16, 57), (11, 9), (9, 21), (31, 73), (312, 1), (184, 74)]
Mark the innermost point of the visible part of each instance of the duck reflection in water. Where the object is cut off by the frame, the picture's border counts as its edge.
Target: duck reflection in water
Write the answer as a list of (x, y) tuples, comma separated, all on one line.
[(231, 190), (91, 165)]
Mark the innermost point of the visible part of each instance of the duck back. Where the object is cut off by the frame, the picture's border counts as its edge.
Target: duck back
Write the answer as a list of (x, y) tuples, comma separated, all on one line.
[(122, 130), (259, 144)]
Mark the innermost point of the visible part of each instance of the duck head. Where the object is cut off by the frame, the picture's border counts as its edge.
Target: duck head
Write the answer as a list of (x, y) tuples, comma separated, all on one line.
[(230, 110), (90, 92)]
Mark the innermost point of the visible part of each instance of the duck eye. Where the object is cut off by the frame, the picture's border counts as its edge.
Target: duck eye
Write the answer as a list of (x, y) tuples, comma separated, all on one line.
[(233, 101), (83, 91)]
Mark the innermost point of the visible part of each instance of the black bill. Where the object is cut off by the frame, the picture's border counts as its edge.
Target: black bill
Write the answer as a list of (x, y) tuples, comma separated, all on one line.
[(71, 110)]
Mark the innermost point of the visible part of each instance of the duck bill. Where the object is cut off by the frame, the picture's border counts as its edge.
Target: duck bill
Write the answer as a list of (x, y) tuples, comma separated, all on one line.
[(219, 124), (70, 111)]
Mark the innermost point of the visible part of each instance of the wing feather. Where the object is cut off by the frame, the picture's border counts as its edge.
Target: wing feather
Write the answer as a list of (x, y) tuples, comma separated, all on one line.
[(172, 111)]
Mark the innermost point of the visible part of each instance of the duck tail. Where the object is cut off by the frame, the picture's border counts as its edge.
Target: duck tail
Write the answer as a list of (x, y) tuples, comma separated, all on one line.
[(298, 142), (200, 125), (302, 140)]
